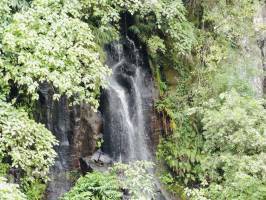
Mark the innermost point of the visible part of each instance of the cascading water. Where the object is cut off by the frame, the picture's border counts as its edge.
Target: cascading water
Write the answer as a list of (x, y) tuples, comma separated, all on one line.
[(127, 110), (125, 131), (127, 106)]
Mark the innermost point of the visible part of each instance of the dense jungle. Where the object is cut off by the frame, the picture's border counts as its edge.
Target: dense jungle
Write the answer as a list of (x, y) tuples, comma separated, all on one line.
[(132, 100)]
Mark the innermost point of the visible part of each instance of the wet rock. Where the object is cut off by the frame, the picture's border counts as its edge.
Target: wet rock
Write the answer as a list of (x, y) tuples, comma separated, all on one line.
[(99, 161), (76, 128), (101, 158), (86, 126), (260, 21), (85, 166)]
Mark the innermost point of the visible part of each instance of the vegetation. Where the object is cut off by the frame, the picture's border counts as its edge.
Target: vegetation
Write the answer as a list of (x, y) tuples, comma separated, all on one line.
[(136, 178), (10, 191), (204, 59), (96, 186), (133, 178), (61, 43), (234, 148), (29, 145), (217, 123), (33, 190)]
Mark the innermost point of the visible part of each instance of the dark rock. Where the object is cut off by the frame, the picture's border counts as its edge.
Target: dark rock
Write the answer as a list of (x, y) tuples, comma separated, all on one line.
[(101, 158), (76, 128), (88, 164), (86, 128), (85, 166)]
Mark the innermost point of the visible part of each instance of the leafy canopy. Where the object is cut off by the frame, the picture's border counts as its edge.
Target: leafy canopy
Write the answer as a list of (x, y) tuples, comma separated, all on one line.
[(235, 144), (29, 145), (58, 42), (45, 43), (215, 124), (137, 178)]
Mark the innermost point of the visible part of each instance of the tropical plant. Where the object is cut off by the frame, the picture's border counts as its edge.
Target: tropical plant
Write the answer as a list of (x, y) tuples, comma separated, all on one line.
[(134, 178), (95, 186), (235, 143), (45, 44), (33, 190), (9, 191), (137, 178), (27, 144)]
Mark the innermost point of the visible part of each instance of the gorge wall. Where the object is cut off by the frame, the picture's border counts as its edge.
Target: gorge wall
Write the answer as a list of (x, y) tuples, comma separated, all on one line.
[(260, 23), (76, 128), (129, 122)]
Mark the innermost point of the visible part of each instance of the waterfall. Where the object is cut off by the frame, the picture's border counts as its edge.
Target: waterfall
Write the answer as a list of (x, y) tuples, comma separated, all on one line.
[(127, 106), (124, 118)]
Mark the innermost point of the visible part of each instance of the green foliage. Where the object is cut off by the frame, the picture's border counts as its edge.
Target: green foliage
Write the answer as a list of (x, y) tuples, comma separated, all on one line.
[(156, 44), (164, 17), (137, 178), (4, 167), (27, 143), (222, 68), (10, 191), (233, 122), (6, 9), (34, 190), (61, 43), (213, 114), (99, 143), (58, 42), (218, 128), (227, 156), (95, 186), (235, 143), (225, 56), (244, 177), (162, 25), (172, 185), (233, 19), (45, 44), (181, 150)]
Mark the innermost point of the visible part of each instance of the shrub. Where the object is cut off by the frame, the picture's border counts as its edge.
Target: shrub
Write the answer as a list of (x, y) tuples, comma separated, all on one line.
[(28, 144), (10, 191), (33, 190), (136, 178), (235, 144), (95, 186)]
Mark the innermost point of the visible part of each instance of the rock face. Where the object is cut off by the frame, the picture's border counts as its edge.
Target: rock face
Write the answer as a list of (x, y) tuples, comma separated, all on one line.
[(260, 23), (254, 49), (86, 131), (77, 130)]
